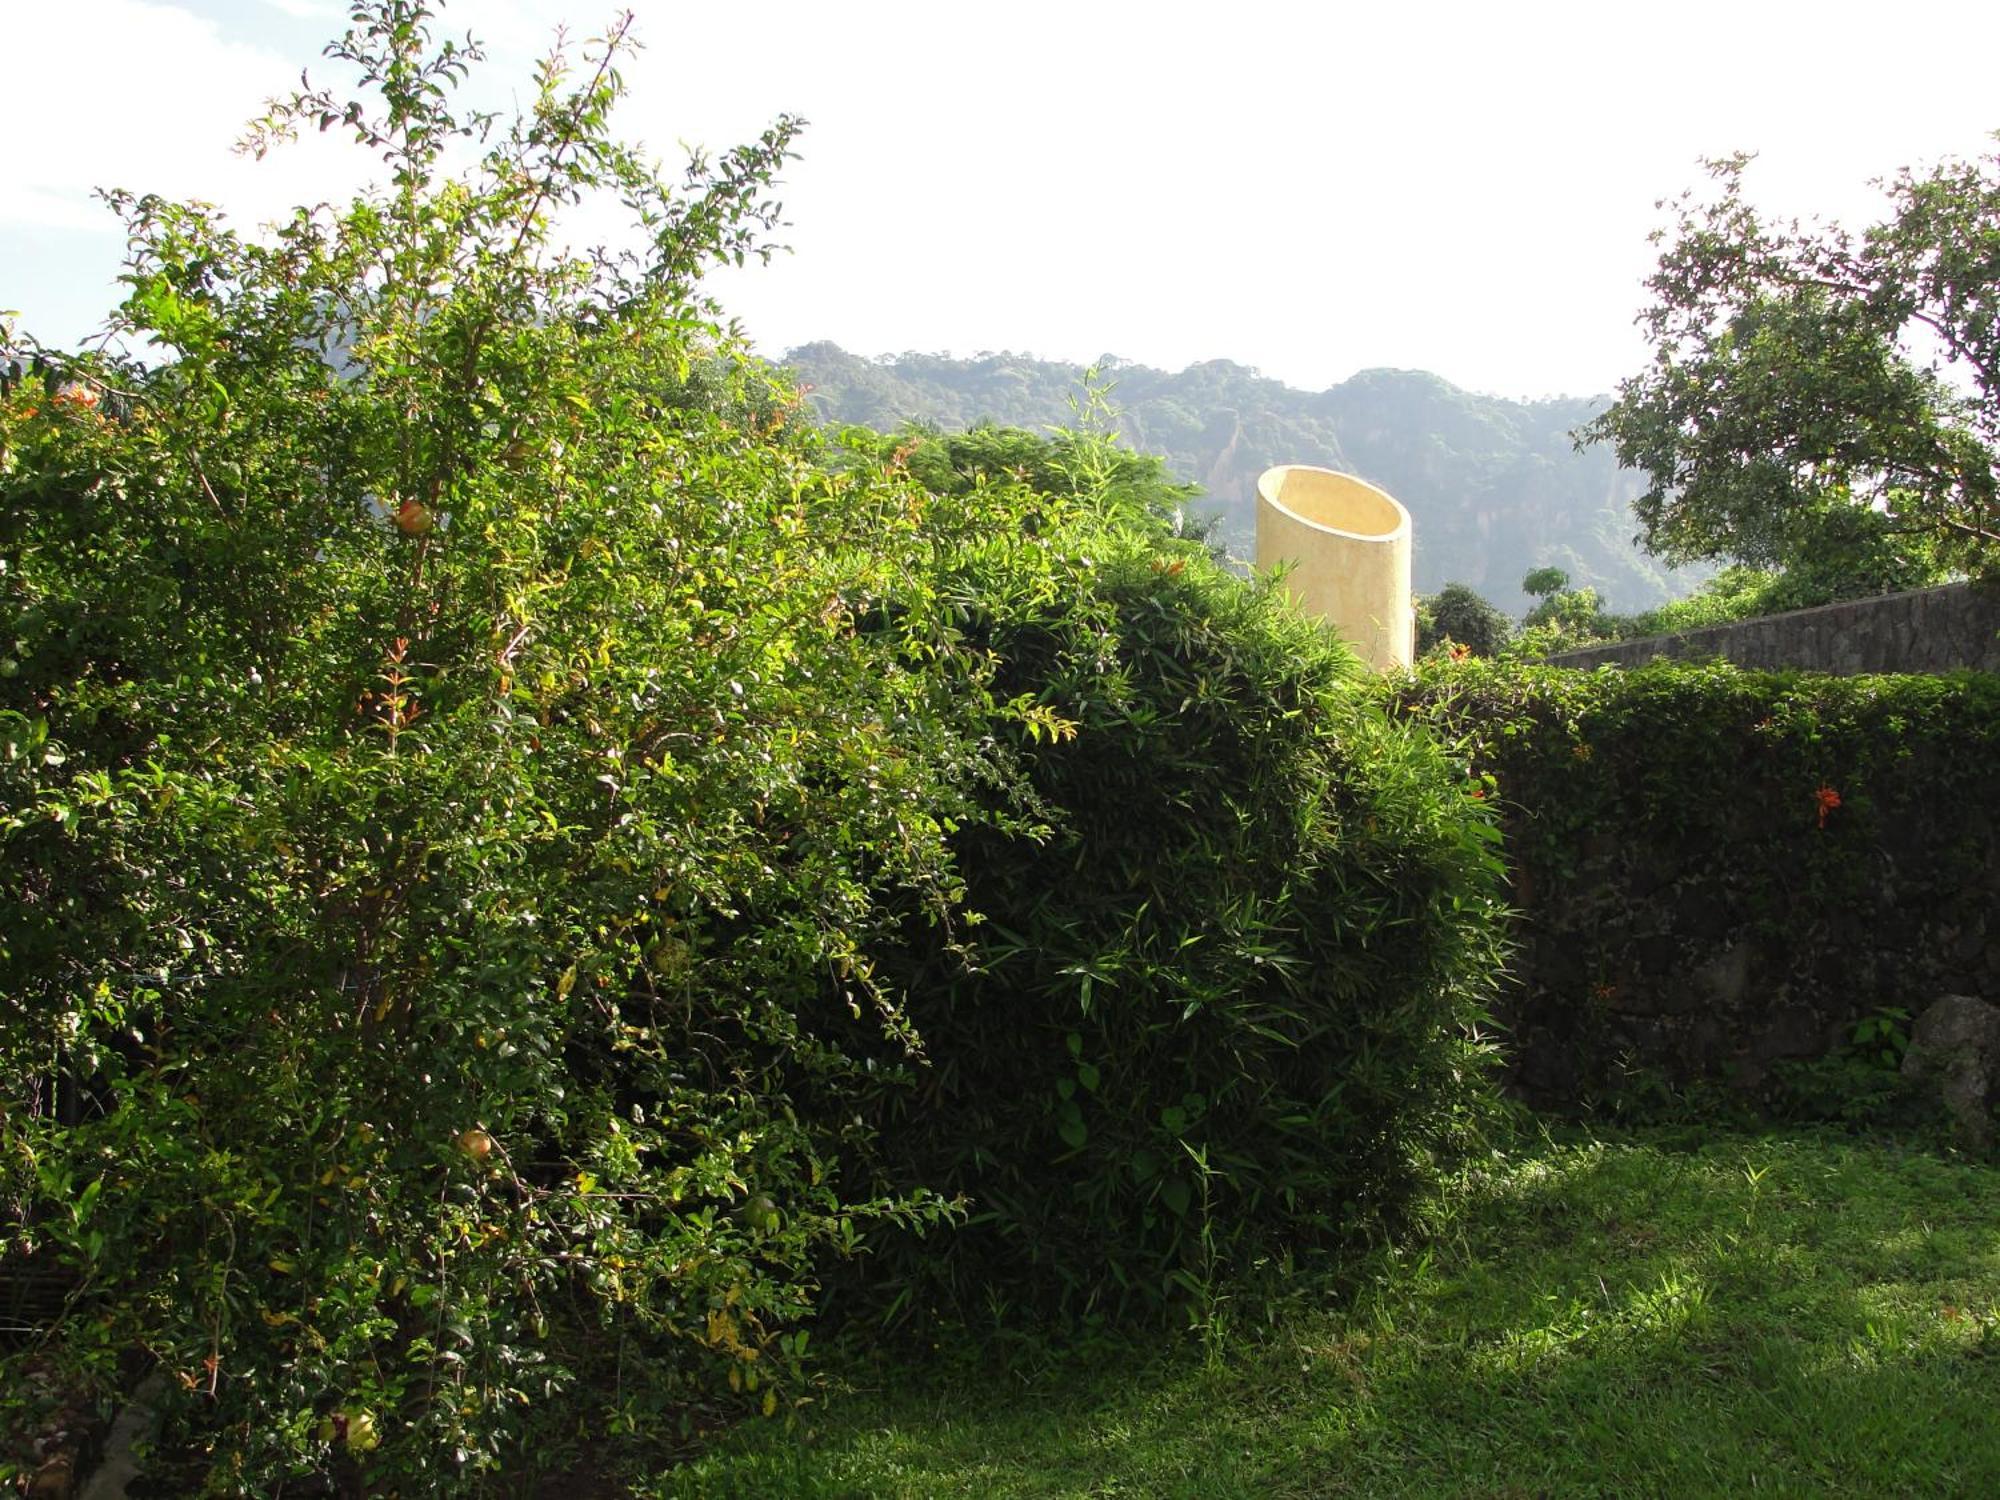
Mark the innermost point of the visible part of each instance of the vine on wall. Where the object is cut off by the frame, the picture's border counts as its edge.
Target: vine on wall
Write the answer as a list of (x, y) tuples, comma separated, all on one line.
[(1717, 872)]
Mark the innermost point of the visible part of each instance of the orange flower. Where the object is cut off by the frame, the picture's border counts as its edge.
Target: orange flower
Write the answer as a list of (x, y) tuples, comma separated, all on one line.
[(1828, 800), (82, 397)]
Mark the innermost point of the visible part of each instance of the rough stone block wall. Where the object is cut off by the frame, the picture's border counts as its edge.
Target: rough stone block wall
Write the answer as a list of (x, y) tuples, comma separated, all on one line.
[(1716, 872), (1682, 963), (1925, 630)]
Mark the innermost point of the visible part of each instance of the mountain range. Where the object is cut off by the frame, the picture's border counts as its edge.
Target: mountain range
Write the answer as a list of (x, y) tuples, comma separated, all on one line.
[(1495, 487)]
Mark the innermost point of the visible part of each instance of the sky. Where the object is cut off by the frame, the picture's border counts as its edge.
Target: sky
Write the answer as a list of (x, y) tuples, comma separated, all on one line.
[(1309, 189)]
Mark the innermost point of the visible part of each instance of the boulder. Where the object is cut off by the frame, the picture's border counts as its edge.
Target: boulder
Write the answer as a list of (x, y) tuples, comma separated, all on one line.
[(1957, 1042)]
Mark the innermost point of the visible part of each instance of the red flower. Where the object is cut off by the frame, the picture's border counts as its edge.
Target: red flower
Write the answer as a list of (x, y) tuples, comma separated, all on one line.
[(1828, 800)]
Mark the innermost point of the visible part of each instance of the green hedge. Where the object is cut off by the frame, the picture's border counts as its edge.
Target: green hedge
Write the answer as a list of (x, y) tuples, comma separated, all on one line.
[(1718, 871)]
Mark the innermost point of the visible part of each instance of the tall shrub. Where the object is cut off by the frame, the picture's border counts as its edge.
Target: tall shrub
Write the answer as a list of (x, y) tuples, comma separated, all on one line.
[(1227, 1006), (450, 730)]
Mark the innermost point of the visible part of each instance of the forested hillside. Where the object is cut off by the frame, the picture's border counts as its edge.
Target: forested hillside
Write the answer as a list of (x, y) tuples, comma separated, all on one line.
[(1494, 486)]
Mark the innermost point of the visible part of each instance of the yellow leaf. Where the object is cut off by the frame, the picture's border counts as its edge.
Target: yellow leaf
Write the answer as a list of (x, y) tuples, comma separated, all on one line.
[(770, 1403)]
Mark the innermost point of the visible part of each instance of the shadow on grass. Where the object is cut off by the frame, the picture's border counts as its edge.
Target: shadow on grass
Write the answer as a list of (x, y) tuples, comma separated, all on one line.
[(1796, 1315)]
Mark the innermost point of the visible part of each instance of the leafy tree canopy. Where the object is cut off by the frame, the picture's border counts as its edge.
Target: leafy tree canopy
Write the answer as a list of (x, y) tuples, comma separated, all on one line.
[(1458, 614), (1542, 582), (1823, 398)]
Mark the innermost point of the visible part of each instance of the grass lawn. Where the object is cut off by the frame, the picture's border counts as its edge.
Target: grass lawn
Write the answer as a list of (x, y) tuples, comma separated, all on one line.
[(1638, 1315)]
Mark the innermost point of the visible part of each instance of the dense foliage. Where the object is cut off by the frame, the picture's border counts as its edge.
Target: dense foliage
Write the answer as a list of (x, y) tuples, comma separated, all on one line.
[(436, 793), (494, 811), (1821, 400), (1230, 1005), (1456, 616), (1494, 486), (1718, 869)]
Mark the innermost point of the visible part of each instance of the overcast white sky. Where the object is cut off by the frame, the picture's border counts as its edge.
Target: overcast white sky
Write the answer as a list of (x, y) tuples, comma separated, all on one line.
[(1311, 189)]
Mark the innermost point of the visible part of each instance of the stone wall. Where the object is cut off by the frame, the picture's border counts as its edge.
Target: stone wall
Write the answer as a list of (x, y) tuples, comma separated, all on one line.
[(1924, 630), (1717, 872), (1646, 962)]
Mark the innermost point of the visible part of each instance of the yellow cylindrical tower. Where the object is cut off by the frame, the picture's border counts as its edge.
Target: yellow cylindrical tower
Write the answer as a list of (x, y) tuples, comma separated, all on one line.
[(1349, 547)]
